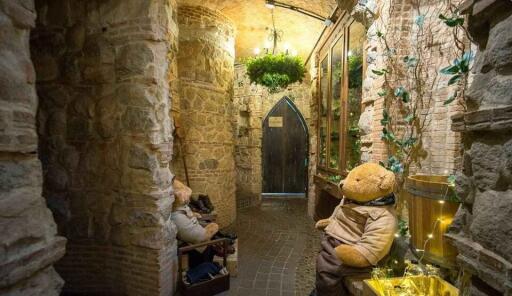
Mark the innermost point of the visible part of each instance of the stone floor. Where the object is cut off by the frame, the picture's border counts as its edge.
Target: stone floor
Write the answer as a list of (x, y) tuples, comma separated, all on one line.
[(277, 249)]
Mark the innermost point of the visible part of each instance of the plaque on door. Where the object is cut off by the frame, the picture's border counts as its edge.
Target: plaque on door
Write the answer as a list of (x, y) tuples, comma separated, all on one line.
[(275, 121)]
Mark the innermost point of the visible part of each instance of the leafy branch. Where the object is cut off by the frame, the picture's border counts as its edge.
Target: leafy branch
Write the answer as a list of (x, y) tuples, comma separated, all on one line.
[(460, 68)]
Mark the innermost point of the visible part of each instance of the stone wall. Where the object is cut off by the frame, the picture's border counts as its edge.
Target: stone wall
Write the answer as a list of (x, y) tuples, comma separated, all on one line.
[(29, 244), (205, 70), (252, 104), (483, 225), (105, 140)]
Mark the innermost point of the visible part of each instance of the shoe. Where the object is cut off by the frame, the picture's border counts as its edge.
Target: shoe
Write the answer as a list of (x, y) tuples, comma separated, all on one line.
[(206, 201), (221, 251), (231, 237), (199, 206)]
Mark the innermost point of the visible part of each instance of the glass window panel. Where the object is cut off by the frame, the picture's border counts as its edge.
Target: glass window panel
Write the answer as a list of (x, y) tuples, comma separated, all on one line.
[(355, 83), (324, 92), (336, 106)]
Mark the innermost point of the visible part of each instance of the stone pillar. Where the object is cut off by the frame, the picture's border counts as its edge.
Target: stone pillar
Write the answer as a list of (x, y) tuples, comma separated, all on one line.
[(206, 70), (482, 230), (105, 140), (28, 242)]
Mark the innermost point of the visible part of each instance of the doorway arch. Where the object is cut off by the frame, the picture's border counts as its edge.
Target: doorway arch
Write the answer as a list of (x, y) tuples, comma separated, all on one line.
[(285, 150)]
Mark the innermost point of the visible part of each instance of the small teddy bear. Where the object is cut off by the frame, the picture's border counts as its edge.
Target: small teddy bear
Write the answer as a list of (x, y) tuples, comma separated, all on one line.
[(360, 231), (189, 229)]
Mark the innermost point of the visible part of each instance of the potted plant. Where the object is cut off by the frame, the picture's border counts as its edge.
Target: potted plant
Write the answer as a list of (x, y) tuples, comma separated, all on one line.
[(275, 72)]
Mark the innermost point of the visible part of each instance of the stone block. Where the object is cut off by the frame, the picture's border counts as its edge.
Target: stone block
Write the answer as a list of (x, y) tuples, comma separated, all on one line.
[(119, 11), (132, 60), (492, 224), (56, 178), (485, 158), (99, 74), (19, 174), (21, 13), (137, 95), (138, 120), (46, 67), (140, 158), (75, 37)]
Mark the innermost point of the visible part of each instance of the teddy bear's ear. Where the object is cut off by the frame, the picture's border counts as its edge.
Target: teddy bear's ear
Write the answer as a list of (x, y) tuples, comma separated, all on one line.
[(387, 182)]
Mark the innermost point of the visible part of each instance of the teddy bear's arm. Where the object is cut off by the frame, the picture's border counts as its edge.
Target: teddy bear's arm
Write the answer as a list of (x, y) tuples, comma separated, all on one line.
[(211, 230), (188, 229), (350, 256), (321, 224), (377, 238)]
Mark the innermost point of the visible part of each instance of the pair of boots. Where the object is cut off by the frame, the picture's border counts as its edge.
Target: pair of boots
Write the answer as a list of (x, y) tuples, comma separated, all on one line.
[(202, 204)]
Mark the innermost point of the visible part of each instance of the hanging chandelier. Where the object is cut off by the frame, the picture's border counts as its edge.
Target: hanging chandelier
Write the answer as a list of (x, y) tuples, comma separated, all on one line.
[(275, 70)]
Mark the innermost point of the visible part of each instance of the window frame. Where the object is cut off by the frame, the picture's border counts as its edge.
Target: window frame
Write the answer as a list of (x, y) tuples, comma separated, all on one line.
[(341, 31)]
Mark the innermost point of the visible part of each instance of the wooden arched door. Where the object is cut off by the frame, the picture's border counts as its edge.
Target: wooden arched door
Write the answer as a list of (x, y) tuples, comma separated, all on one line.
[(285, 150)]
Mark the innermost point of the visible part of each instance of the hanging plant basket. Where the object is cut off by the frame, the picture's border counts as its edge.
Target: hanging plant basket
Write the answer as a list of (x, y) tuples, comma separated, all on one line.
[(275, 72)]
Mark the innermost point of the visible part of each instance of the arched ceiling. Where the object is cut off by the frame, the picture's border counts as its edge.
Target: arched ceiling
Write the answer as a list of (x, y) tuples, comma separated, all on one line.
[(252, 19)]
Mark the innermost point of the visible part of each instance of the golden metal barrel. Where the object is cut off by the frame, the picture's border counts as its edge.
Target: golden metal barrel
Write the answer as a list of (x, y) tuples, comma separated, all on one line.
[(430, 214), (412, 285)]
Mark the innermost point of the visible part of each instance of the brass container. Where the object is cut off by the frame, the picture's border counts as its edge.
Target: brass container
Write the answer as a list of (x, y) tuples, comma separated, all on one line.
[(430, 215), (409, 286)]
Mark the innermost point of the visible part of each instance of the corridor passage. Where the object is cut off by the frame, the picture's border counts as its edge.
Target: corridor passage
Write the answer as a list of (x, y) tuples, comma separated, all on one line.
[(277, 249)]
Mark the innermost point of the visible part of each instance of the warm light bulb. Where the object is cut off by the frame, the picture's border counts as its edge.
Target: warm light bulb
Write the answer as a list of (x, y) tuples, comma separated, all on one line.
[(441, 202), (257, 51), (286, 46), (349, 53), (397, 235), (430, 236)]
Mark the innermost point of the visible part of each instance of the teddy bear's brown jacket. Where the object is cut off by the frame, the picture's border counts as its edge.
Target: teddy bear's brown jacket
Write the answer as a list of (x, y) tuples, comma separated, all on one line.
[(369, 229)]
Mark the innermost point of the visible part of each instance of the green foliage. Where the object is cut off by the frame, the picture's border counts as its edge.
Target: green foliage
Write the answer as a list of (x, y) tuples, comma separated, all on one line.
[(453, 21), (420, 20), (380, 72), (275, 72), (409, 142), (410, 61), (334, 178), (403, 228), (393, 164), (409, 118), (458, 70), (452, 194), (386, 119), (402, 93), (387, 135), (451, 98), (355, 71)]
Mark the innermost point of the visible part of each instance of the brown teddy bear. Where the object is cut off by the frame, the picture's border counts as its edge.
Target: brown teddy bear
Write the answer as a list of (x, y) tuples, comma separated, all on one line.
[(360, 231), (189, 229)]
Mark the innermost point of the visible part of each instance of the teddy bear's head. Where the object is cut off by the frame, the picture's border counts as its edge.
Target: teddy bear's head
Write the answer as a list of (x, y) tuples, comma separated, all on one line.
[(182, 193), (367, 182)]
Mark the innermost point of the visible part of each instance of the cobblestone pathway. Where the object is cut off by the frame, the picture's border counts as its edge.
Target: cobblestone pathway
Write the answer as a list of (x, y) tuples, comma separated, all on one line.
[(277, 249)]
